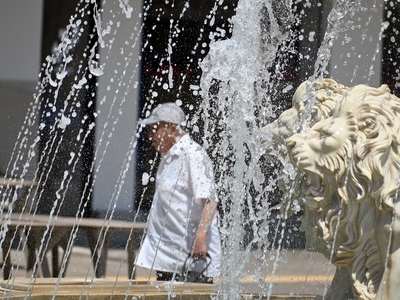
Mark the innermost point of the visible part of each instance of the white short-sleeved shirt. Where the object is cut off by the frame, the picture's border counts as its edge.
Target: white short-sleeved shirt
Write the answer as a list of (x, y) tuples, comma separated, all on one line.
[(184, 177)]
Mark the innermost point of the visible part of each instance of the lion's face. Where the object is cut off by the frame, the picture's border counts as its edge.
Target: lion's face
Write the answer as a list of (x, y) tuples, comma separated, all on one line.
[(318, 153), (323, 94), (324, 138)]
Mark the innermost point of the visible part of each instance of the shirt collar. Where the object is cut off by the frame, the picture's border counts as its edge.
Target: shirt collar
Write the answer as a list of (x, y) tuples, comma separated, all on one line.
[(179, 146)]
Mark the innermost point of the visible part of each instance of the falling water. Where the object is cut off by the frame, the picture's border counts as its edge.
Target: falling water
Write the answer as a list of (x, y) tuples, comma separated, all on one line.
[(239, 66), (240, 70), (243, 87)]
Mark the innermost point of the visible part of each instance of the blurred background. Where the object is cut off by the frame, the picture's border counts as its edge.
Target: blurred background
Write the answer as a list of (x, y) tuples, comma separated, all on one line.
[(149, 51)]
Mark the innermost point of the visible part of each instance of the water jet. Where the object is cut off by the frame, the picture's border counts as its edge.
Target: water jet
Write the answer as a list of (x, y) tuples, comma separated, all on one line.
[(246, 82)]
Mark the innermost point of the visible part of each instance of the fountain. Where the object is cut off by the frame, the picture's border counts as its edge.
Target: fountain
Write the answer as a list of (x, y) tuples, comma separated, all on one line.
[(245, 82)]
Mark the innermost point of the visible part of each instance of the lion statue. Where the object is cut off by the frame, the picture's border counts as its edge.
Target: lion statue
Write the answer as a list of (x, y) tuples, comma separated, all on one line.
[(350, 157), (312, 102), (321, 97)]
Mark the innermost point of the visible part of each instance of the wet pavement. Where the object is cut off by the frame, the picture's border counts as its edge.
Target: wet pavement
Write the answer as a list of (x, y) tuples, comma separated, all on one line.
[(296, 272)]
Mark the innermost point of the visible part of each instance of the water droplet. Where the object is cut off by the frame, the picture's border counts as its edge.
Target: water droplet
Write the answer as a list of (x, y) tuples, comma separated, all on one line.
[(145, 178), (64, 122)]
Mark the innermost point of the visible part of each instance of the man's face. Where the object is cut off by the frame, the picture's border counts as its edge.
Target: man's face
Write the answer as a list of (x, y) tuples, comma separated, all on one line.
[(163, 136)]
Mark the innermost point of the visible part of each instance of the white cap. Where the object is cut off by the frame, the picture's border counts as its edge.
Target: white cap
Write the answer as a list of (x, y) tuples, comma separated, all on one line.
[(167, 112)]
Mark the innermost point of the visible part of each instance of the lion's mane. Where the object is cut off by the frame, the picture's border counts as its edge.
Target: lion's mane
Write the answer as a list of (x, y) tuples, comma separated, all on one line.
[(366, 173), (361, 180)]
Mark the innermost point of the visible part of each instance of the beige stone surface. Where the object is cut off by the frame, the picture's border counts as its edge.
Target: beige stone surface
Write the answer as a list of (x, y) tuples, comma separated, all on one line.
[(304, 273), (347, 152)]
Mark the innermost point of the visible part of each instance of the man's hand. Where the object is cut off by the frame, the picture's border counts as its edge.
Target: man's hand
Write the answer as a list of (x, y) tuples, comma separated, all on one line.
[(199, 247)]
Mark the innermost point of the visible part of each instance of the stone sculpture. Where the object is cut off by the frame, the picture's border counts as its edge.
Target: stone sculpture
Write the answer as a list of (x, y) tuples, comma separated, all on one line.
[(350, 160), (322, 96)]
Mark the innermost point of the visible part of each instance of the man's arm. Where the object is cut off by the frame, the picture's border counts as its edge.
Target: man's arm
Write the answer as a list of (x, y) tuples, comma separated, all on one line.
[(199, 248)]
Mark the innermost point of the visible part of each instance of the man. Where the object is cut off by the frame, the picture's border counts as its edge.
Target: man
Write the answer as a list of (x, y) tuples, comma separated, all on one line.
[(182, 219)]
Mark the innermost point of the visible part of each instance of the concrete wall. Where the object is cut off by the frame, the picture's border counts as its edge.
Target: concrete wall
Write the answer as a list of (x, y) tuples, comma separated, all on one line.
[(118, 95), (20, 33), (356, 54)]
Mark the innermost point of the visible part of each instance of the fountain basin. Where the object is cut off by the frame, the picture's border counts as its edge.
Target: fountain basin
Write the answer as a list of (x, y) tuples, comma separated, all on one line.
[(77, 288)]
